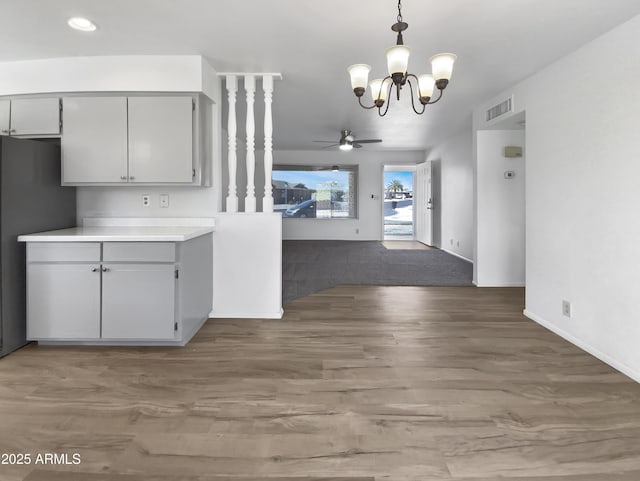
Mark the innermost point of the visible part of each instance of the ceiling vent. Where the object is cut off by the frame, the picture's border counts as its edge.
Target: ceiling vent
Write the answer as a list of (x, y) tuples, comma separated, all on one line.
[(501, 109)]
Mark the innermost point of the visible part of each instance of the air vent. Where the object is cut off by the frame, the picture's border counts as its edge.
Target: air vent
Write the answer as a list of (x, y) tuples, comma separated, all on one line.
[(500, 109)]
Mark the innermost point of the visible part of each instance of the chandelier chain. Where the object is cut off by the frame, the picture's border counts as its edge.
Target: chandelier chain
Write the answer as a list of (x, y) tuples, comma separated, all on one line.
[(399, 10)]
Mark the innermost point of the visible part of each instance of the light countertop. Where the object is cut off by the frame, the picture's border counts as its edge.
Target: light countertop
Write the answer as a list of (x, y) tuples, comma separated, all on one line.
[(119, 234)]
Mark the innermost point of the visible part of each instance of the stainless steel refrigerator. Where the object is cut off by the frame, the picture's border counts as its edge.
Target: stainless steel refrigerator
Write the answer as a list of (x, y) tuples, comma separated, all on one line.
[(31, 200)]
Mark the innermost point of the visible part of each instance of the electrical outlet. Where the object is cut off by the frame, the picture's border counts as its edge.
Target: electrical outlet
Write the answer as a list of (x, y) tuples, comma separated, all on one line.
[(146, 200), (566, 308), (164, 200)]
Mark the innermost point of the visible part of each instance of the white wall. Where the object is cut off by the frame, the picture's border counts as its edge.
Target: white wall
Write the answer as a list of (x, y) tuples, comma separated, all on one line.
[(247, 266), (500, 211), (455, 164), (370, 179), (582, 195), (126, 201)]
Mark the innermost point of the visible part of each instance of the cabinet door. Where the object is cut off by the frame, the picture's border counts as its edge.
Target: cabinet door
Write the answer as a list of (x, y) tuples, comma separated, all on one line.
[(35, 116), (161, 139), (5, 112), (94, 141), (138, 301), (63, 301)]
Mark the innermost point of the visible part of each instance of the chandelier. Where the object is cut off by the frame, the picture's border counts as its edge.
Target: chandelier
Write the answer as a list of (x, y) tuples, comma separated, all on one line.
[(397, 61)]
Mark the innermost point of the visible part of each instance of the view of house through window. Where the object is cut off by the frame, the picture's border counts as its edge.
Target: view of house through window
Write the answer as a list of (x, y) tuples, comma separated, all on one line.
[(398, 204), (319, 192)]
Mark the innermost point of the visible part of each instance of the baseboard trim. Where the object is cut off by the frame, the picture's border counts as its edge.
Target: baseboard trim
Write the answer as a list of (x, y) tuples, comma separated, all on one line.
[(506, 284), (617, 365), (455, 254), (244, 315)]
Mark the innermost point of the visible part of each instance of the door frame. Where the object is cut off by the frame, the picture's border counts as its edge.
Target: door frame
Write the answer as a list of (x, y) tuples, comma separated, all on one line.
[(397, 168)]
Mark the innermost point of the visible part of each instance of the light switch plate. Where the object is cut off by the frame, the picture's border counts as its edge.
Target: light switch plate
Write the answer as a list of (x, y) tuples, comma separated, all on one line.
[(164, 200)]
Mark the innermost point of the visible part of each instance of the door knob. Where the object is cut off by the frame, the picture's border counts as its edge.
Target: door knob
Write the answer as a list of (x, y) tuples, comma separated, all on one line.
[(95, 269)]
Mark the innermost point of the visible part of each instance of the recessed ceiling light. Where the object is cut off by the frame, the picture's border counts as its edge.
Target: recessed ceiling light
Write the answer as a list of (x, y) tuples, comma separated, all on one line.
[(81, 23)]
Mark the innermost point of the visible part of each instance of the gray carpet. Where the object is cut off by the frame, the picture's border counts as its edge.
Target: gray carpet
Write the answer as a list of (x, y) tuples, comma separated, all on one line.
[(311, 266)]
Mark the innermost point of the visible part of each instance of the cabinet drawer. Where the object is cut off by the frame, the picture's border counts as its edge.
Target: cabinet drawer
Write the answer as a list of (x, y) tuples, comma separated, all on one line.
[(63, 251), (139, 252)]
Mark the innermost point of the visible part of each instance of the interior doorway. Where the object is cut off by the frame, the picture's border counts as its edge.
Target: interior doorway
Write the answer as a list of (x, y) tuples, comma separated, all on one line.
[(398, 214)]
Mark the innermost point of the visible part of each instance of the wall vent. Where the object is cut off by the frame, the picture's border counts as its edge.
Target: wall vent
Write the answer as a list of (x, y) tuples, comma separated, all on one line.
[(500, 109)]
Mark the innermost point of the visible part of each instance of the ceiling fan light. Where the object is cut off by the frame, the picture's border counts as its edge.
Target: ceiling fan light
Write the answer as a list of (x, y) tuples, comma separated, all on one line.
[(379, 89), (359, 73), (346, 146), (426, 83), (442, 65), (397, 59)]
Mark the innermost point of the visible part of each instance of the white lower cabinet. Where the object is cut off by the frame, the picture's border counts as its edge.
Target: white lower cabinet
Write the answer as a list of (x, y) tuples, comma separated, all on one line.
[(138, 301), (80, 292), (63, 301)]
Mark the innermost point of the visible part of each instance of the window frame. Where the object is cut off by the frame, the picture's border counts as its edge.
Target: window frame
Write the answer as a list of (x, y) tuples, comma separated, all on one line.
[(353, 196)]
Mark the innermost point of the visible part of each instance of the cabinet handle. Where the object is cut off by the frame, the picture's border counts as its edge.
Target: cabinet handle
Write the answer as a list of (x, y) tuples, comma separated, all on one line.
[(131, 177), (5, 131), (95, 269), (123, 177), (13, 131), (105, 269)]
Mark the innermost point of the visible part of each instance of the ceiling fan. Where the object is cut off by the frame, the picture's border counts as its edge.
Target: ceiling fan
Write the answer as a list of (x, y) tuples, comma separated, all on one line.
[(348, 141)]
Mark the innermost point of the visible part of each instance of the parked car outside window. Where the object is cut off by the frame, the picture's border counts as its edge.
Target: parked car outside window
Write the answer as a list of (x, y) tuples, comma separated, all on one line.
[(303, 209)]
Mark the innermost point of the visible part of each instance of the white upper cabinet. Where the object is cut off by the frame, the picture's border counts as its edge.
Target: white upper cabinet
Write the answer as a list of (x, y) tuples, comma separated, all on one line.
[(161, 139), (5, 116), (30, 117), (129, 140), (94, 142), (35, 116)]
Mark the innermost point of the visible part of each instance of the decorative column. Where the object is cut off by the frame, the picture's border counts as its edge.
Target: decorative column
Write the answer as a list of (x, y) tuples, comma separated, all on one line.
[(232, 197), (250, 199), (267, 86)]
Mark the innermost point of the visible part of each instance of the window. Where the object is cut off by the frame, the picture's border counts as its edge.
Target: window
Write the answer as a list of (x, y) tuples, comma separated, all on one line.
[(317, 192)]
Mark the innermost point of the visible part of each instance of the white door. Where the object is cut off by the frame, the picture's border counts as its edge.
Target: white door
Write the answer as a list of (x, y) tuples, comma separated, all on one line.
[(5, 115), (63, 301), (138, 301), (35, 116), (161, 139), (94, 141), (424, 204)]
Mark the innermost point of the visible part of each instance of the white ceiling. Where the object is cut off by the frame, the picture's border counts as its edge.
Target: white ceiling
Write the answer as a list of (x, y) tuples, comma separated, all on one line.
[(498, 43)]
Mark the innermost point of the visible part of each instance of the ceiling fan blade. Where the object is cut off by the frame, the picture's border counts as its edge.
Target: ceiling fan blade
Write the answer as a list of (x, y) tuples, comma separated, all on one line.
[(328, 146), (370, 141), (356, 145), (325, 141)]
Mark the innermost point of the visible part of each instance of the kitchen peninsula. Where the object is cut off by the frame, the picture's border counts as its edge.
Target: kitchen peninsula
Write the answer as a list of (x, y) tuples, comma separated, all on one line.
[(119, 285)]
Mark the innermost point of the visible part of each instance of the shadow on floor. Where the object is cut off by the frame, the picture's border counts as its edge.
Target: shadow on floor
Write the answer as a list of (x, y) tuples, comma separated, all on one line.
[(311, 266)]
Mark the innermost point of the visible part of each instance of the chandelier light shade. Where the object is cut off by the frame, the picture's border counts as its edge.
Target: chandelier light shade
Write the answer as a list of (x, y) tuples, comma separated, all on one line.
[(379, 89), (399, 76), (359, 75), (397, 59)]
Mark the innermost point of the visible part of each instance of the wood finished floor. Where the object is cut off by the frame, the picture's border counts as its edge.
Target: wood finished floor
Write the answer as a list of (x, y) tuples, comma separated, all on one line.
[(356, 383)]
